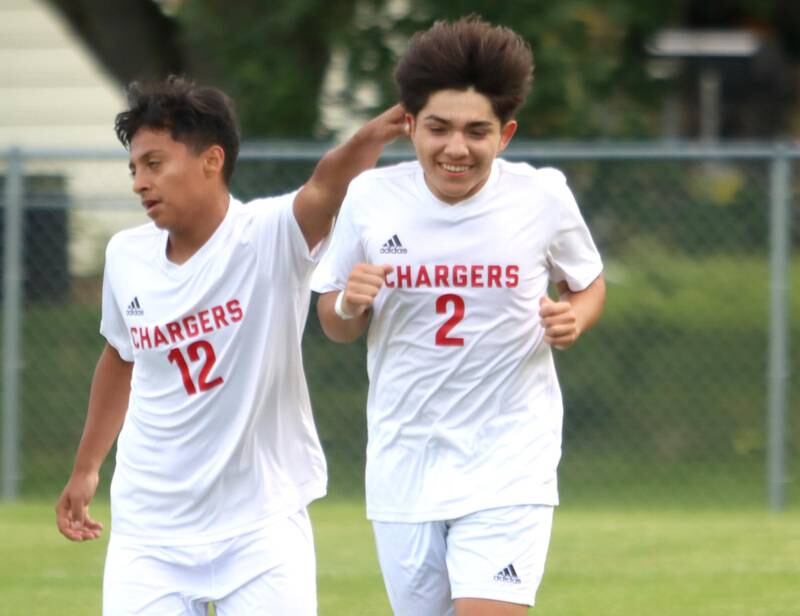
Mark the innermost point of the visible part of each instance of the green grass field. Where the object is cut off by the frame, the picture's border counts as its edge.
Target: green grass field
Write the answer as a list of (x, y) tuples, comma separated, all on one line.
[(602, 562)]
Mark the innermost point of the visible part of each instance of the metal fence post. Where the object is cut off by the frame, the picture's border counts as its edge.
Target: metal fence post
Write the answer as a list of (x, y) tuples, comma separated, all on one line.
[(778, 360), (12, 322)]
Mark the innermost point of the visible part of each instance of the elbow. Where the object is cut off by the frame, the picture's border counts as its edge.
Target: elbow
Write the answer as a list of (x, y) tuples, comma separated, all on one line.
[(333, 333)]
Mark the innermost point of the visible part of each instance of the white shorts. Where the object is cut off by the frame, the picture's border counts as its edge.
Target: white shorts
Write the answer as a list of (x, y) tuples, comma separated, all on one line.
[(495, 554), (270, 571)]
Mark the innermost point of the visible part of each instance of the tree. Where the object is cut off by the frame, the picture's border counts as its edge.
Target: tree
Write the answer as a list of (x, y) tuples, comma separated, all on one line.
[(591, 80), (271, 58), (133, 39)]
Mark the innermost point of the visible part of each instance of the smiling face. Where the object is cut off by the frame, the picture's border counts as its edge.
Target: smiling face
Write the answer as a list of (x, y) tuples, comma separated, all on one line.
[(173, 183), (457, 136)]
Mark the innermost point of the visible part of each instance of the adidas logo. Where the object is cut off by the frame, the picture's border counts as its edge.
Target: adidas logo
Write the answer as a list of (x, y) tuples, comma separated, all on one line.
[(392, 246), (134, 308), (508, 574)]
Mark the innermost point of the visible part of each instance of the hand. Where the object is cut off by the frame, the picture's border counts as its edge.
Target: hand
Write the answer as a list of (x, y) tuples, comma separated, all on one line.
[(559, 321), (72, 508), (386, 127), (362, 286)]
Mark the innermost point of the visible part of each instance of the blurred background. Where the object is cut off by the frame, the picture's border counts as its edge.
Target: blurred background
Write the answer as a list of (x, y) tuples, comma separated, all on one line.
[(675, 124)]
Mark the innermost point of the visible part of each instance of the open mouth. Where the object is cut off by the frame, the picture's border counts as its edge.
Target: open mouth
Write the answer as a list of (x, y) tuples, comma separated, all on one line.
[(149, 204), (450, 168)]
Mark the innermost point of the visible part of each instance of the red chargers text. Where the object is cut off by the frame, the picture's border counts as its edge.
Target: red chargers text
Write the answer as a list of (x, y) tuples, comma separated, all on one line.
[(191, 326), (476, 276)]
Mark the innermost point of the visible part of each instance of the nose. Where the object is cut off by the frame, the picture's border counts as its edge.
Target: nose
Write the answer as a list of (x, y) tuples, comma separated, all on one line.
[(456, 145), (140, 183)]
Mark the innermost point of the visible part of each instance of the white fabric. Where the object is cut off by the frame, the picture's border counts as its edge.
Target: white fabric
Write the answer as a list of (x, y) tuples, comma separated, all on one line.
[(464, 408), (266, 572), (496, 554), (214, 452)]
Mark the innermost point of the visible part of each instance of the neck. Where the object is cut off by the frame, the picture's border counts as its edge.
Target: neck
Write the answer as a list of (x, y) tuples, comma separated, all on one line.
[(185, 242)]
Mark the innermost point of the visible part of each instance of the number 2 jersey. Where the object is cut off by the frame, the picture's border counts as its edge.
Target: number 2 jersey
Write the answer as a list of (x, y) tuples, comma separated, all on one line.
[(464, 409), (218, 436)]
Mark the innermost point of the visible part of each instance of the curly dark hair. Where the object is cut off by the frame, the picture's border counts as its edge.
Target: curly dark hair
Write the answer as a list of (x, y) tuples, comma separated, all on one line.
[(467, 53), (197, 116)]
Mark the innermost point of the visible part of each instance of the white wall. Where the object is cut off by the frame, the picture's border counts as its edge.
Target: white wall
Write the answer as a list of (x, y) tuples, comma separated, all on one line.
[(55, 95)]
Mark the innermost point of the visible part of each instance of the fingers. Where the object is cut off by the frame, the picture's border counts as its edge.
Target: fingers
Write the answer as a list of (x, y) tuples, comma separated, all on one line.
[(559, 322), (363, 286), (75, 526), (72, 515), (85, 529), (390, 124), (64, 519)]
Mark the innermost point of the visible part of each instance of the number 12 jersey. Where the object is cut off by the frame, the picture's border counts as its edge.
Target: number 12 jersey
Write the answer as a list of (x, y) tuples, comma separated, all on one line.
[(218, 434)]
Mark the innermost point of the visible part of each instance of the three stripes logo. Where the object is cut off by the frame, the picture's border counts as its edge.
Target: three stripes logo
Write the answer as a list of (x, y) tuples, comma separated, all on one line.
[(134, 308), (509, 574), (392, 246)]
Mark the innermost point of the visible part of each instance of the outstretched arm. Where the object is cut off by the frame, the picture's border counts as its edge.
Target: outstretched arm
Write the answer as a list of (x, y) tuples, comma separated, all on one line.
[(108, 403), (319, 199), (574, 312)]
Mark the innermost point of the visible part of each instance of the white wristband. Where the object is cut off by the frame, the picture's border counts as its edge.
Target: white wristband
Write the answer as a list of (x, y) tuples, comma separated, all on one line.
[(337, 307)]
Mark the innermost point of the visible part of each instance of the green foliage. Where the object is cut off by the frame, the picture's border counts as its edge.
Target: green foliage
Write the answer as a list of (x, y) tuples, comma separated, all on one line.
[(270, 57), (591, 77)]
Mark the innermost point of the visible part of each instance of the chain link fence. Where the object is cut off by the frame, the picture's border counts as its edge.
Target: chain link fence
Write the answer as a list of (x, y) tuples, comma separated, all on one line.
[(681, 396)]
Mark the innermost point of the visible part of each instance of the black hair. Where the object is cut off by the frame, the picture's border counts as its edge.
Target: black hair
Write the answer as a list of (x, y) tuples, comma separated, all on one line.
[(468, 53), (198, 116)]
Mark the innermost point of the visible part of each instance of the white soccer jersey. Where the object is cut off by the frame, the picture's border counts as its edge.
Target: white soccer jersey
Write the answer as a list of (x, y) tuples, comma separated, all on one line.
[(464, 409), (219, 434)]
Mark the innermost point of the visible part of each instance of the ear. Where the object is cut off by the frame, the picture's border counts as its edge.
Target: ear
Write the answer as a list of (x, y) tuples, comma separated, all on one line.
[(506, 133), (213, 160), (410, 124)]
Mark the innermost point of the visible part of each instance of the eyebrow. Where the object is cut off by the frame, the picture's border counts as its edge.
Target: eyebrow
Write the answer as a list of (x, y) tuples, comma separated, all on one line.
[(478, 124), (145, 156)]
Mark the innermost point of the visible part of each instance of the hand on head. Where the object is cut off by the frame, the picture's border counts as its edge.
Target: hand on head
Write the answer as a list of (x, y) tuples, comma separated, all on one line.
[(389, 125)]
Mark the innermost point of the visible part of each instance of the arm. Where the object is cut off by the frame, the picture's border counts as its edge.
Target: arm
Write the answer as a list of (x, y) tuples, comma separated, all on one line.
[(574, 313), (108, 402), (362, 286), (319, 199)]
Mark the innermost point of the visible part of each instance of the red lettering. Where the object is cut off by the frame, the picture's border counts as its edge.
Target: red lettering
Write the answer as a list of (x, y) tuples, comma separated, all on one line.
[(493, 277), (174, 330), (459, 275), (387, 281), (512, 276), (234, 310), (476, 278), (159, 337), (144, 338), (440, 276), (403, 276), (219, 317), (135, 337), (190, 325), (205, 321), (423, 280)]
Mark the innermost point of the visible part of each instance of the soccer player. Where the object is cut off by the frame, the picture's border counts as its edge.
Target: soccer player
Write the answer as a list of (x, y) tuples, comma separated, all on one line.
[(445, 262), (203, 311)]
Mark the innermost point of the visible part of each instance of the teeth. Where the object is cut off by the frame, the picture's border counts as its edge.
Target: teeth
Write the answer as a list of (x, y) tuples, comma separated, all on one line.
[(454, 168)]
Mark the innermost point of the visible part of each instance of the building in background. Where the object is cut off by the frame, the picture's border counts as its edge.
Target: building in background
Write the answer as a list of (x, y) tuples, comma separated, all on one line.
[(55, 96)]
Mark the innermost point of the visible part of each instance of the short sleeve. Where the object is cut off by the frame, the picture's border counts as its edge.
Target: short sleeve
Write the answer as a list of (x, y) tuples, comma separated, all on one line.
[(112, 322), (572, 255), (280, 237), (345, 251)]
